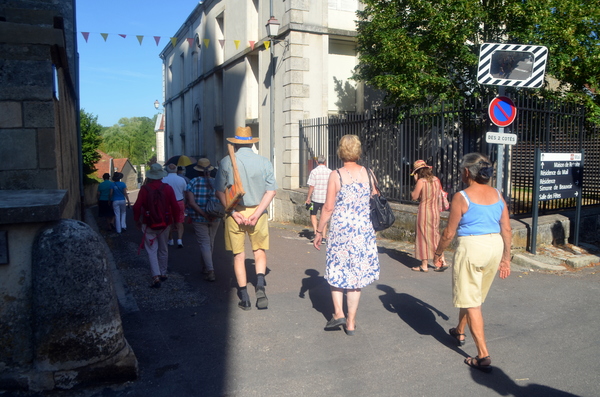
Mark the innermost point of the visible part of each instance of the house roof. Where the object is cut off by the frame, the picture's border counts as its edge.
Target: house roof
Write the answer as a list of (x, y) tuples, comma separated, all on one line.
[(104, 164)]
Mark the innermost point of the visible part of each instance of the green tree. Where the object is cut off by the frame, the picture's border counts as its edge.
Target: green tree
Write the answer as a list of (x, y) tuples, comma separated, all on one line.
[(90, 140), (420, 50), (132, 138)]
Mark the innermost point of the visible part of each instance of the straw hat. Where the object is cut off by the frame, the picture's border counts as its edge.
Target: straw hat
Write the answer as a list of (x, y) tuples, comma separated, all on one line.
[(243, 135), (156, 172), (203, 164), (417, 165)]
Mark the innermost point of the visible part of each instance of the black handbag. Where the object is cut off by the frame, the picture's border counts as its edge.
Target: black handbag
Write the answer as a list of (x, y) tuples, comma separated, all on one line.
[(213, 207), (382, 216)]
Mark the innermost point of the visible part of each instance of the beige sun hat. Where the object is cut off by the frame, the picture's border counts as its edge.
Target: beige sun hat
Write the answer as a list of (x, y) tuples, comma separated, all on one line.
[(203, 164), (417, 165), (243, 135)]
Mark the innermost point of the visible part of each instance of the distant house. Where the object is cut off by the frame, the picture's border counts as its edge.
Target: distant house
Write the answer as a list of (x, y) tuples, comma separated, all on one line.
[(110, 165)]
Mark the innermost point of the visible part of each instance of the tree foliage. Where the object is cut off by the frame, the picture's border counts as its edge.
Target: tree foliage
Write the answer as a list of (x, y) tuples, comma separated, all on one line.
[(90, 140), (420, 50), (131, 138)]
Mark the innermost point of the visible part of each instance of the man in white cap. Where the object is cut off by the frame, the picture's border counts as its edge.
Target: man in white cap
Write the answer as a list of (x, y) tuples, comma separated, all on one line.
[(178, 184), (249, 217)]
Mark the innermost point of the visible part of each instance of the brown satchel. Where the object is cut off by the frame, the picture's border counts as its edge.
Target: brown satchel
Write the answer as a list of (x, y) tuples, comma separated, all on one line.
[(235, 192)]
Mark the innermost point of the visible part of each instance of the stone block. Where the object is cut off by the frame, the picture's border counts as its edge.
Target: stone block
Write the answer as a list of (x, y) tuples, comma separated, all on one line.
[(18, 149), (39, 114), (46, 148), (28, 179), (11, 115), (25, 80)]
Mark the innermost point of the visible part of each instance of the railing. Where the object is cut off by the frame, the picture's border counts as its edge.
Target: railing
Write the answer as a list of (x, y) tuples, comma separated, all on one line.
[(442, 133)]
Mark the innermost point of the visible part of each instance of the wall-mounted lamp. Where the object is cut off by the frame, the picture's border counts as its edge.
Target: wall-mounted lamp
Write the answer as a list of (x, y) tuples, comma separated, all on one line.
[(156, 104), (272, 27)]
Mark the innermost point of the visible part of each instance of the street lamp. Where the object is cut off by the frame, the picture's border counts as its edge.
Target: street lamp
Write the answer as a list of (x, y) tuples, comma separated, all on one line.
[(272, 27), (156, 104)]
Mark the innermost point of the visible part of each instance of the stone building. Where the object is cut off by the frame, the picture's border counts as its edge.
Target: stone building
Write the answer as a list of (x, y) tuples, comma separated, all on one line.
[(224, 71), (59, 319)]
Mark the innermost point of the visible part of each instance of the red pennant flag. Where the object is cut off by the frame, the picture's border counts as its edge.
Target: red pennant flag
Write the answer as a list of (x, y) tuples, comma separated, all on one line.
[(157, 39), (85, 35), (252, 44), (222, 42), (190, 41), (122, 35)]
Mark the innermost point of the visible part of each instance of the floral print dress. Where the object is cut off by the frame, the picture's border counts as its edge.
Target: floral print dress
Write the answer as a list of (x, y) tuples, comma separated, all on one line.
[(352, 260)]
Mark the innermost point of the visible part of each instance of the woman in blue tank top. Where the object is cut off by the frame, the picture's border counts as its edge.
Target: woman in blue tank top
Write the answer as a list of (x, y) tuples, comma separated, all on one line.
[(479, 216)]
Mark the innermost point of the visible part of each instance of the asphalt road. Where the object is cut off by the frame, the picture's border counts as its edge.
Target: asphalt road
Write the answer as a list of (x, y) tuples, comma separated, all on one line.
[(541, 328)]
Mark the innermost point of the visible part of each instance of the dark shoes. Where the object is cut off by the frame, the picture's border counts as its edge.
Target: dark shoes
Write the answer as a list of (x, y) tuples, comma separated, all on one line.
[(155, 282), (244, 305), (163, 277), (335, 322), (453, 333), (483, 364), (210, 276), (441, 268), (261, 298)]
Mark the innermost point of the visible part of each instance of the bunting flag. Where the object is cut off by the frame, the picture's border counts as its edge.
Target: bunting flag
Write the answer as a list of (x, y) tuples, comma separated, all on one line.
[(140, 38)]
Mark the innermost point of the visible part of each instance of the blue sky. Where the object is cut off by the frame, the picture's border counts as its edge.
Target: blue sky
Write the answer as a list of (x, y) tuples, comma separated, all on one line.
[(119, 77)]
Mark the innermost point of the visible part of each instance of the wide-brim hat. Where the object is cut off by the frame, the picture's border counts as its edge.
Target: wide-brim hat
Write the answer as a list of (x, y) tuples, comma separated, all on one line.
[(417, 165), (203, 164), (243, 135), (156, 171)]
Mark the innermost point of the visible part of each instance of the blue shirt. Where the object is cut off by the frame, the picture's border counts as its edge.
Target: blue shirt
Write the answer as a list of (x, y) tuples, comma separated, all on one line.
[(118, 191), (104, 189), (480, 219), (201, 188), (256, 173)]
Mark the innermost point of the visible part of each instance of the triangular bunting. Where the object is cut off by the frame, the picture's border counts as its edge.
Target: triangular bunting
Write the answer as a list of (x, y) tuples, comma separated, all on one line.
[(252, 44), (157, 39), (140, 39), (173, 41), (206, 42), (104, 36), (122, 35), (85, 35), (267, 44), (237, 44), (190, 41), (222, 42)]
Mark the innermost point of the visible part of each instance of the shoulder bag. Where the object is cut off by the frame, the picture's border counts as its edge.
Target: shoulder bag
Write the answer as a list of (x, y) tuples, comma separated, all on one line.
[(444, 204), (382, 215), (213, 207)]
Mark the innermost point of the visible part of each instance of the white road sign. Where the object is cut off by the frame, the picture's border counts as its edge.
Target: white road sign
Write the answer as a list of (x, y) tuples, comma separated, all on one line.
[(501, 138)]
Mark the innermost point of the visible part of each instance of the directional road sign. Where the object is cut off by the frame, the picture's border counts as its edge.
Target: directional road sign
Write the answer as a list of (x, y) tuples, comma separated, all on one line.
[(561, 175), (501, 138), (502, 111)]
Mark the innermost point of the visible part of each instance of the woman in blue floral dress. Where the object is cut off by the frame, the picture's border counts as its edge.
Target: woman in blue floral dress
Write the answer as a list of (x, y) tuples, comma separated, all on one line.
[(352, 261)]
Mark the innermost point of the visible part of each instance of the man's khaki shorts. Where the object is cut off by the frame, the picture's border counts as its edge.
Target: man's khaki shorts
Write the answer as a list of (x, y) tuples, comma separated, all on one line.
[(235, 235)]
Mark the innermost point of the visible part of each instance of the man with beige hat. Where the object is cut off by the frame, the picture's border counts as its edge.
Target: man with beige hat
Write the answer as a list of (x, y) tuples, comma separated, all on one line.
[(249, 217)]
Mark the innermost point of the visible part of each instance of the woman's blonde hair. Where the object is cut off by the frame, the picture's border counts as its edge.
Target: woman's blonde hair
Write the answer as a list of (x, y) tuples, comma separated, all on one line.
[(350, 148)]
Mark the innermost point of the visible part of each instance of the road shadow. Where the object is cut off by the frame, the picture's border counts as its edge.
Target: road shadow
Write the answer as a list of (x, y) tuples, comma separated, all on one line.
[(306, 233), (417, 314), (318, 293), (402, 257), (504, 385)]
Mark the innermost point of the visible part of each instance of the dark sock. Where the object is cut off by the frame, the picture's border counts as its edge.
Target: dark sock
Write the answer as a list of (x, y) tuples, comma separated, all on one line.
[(244, 294), (260, 280)]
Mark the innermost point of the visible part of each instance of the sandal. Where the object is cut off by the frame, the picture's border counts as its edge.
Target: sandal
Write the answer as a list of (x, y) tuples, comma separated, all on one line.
[(419, 269), (456, 335), (483, 364), (155, 282)]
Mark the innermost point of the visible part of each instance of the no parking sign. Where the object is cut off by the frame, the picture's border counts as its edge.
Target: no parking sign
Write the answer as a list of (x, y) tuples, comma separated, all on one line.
[(502, 111)]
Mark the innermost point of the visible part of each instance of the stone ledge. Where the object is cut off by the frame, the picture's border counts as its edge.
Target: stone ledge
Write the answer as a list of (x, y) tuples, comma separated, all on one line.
[(31, 206)]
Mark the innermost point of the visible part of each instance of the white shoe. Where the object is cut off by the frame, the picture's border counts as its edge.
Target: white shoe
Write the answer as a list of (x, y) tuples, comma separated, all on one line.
[(170, 242), (179, 244)]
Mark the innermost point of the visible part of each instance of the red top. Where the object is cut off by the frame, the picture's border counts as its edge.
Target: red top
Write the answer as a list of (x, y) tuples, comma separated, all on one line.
[(138, 210)]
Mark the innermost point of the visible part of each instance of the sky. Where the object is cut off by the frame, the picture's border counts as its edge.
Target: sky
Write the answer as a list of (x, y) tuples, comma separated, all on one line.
[(119, 77)]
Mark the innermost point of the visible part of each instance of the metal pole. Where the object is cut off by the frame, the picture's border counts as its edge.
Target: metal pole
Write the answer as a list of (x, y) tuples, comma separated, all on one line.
[(500, 161), (535, 200), (579, 199)]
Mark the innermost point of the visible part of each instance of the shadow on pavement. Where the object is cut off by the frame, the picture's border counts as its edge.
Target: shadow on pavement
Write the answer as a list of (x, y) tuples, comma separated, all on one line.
[(318, 293), (399, 256)]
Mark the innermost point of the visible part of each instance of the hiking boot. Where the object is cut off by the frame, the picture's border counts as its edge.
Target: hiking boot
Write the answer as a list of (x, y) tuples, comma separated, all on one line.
[(210, 276)]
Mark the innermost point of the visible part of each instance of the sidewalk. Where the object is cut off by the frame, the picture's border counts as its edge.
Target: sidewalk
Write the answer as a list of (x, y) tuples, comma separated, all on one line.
[(192, 340)]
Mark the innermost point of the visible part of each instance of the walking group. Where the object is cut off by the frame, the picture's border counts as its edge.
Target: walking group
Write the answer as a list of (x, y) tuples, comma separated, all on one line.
[(244, 185)]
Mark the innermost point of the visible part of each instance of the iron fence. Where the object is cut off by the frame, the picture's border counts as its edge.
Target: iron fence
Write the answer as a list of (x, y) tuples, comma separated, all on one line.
[(441, 133)]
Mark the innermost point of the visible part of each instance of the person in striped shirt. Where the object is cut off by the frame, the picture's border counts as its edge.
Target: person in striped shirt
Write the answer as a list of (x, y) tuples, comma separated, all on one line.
[(317, 192)]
